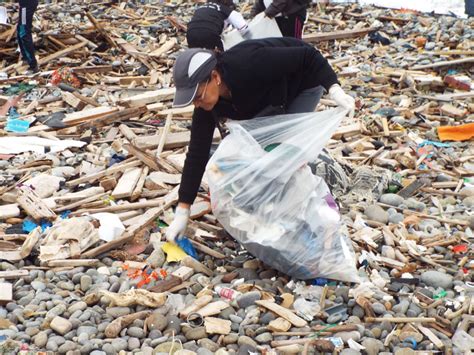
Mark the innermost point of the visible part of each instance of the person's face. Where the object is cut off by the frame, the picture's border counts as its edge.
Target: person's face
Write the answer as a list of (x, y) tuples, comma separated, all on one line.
[(208, 92)]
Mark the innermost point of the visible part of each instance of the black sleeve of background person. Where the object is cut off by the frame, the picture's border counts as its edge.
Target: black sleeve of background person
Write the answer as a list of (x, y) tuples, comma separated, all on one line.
[(202, 130), (276, 7)]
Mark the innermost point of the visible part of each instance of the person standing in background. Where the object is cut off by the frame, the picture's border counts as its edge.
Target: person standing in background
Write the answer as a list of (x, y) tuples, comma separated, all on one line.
[(290, 15), (27, 10)]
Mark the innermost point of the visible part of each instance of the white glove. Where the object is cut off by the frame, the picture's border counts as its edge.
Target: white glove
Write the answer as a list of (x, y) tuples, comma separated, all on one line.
[(342, 99), (179, 224)]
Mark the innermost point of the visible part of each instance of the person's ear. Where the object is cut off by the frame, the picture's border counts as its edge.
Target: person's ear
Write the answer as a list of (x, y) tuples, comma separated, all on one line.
[(216, 76)]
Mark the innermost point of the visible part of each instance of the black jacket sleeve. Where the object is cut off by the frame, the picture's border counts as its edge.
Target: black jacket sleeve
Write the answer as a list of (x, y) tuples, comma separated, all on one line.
[(257, 8), (289, 60), (276, 7), (202, 131)]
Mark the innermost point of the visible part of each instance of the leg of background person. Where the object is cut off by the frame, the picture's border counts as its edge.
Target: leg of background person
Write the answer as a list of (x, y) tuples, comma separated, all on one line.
[(27, 10), (306, 101)]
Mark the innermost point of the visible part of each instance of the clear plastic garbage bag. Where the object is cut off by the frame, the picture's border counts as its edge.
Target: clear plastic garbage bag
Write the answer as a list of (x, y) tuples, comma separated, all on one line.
[(265, 195)]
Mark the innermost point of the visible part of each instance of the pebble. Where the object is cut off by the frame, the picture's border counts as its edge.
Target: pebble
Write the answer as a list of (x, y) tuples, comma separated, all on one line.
[(133, 343), (264, 338), (372, 346), (156, 259), (248, 299), (437, 279), (86, 282), (401, 307), (376, 213), (196, 333), (61, 325), (245, 340), (378, 308), (67, 346), (78, 306), (391, 199), (41, 339), (157, 321), (208, 344), (230, 339), (38, 285), (116, 312), (345, 336), (136, 332)]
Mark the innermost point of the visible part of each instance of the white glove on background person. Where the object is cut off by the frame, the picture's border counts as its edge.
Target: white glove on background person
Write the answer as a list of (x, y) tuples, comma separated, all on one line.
[(342, 99), (179, 224)]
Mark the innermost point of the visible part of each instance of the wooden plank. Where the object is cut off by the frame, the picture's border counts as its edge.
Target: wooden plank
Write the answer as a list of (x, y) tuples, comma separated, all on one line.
[(14, 274), (452, 111), (149, 97), (6, 292), (431, 336), (168, 45), (109, 171), (139, 187), (100, 29), (127, 183), (74, 263), (33, 204), (164, 134), (212, 309), (144, 157), (61, 53), (283, 312), (148, 218), (196, 305), (329, 36), (444, 63), (217, 326)]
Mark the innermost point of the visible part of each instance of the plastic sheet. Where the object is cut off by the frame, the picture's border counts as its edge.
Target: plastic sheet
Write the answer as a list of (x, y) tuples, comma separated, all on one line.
[(269, 200)]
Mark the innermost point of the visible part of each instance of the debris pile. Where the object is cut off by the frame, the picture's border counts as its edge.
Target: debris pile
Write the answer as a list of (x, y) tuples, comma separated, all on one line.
[(91, 155)]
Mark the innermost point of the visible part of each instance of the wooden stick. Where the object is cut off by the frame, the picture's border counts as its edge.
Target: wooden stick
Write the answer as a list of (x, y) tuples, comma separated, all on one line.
[(123, 207), (329, 36), (444, 63), (166, 129), (400, 320), (80, 202)]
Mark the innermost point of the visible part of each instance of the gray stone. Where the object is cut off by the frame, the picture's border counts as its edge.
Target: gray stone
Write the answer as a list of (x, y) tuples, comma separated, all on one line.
[(350, 352), (245, 340), (87, 329), (86, 282), (235, 319), (378, 308), (208, 344), (401, 307), (116, 312), (376, 213), (83, 339), (248, 299), (67, 346), (372, 346), (345, 336), (98, 352), (157, 321), (41, 339), (414, 310), (38, 285), (136, 332), (264, 338), (468, 201), (51, 346), (78, 306), (396, 218), (120, 344), (157, 258), (226, 312), (166, 347), (267, 318), (392, 199), (246, 349), (195, 333), (437, 279), (358, 311), (204, 351), (61, 325), (230, 339), (109, 349), (133, 343)]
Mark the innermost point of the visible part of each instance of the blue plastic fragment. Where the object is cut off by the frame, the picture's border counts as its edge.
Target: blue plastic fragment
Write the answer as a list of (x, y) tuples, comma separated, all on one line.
[(29, 225), (411, 342), (434, 144), (186, 245), (320, 281), (17, 126), (65, 214), (45, 225)]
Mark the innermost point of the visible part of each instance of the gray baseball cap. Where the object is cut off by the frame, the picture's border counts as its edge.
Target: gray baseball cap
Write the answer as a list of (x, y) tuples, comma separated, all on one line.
[(191, 68)]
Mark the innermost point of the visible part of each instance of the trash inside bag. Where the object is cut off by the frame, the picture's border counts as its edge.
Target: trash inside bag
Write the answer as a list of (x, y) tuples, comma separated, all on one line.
[(264, 193)]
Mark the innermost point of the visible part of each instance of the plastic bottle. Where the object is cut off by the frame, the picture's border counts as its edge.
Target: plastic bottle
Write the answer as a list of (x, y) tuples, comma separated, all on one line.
[(227, 293)]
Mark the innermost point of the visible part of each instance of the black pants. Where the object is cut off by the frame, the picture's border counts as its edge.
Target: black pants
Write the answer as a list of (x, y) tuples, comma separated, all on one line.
[(24, 36), (291, 25), (198, 38)]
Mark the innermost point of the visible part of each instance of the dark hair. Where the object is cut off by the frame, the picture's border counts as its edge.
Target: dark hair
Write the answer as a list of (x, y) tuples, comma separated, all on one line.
[(228, 3)]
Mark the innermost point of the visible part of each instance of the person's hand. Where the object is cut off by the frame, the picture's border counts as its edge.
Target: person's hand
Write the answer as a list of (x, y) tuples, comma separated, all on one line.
[(179, 224), (342, 99)]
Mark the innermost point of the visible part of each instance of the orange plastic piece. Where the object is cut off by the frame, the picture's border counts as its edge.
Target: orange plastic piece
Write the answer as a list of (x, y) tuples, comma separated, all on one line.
[(456, 133)]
